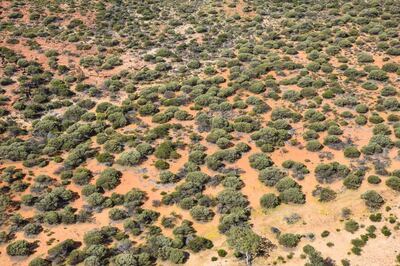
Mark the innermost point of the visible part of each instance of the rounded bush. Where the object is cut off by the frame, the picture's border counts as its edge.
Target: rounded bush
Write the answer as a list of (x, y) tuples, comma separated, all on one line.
[(373, 179), (314, 145), (289, 240), (269, 201), (394, 183), (351, 152), (19, 248)]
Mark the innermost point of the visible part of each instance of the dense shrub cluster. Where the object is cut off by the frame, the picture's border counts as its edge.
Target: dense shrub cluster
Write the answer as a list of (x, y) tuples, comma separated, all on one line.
[(136, 106)]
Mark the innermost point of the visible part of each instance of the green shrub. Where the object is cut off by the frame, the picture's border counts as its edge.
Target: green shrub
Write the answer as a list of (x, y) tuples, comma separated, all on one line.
[(351, 226), (379, 75), (373, 179), (82, 176), (362, 108), (198, 244), (330, 172), (117, 214), (314, 145), (130, 158), (351, 152), (271, 175), (59, 252), (386, 231), (109, 179), (327, 194), (222, 253), (286, 183), (372, 199), (292, 195), (269, 201), (393, 182), (166, 150), (201, 213), (260, 161), (352, 182), (32, 229), (39, 262), (365, 58), (289, 240), (20, 248), (325, 234), (168, 177), (369, 85)]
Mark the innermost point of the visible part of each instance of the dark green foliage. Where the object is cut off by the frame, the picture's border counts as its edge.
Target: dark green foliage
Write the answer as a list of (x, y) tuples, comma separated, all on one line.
[(351, 226), (82, 176), (161, 165), (326, 173), (289, 240), (292, 195), (386, 231), (260, 161), (269, 201), (109, 179), (246, 242), (351, 152), (365, 58), (286, 183), (117, 214), (222, 253), (59, 252), (56, 199), (393, 182), (20, 248), (314, 145), (379, 75), (315, 257), (166, 150), (130, 158), (229, 199), (271, 175), (168, 177), (39, 262), (95, 237), (32, 229), (353, 181), (201, 213), (372, 199), (198, 244), (270, 137), (175, 95), (326, 194), (373, 179)]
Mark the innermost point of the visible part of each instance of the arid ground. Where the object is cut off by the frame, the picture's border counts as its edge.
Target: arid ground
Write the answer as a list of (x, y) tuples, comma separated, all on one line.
[(199, 132)]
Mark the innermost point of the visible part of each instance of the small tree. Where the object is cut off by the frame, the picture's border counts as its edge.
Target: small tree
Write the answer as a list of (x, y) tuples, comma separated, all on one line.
[(245, 241)]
